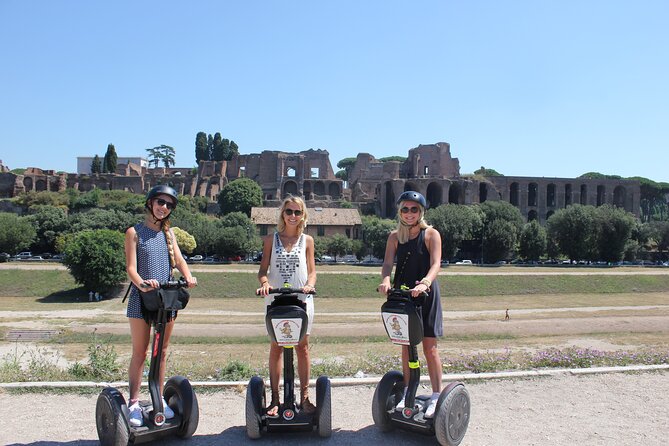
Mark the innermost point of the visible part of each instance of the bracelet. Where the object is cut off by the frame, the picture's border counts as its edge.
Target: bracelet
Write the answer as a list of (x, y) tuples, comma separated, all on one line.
[(427, 282)]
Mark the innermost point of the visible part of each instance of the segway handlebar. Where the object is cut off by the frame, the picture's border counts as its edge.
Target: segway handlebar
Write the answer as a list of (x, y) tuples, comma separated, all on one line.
[(399, 294), (285, 290), (181, 283)]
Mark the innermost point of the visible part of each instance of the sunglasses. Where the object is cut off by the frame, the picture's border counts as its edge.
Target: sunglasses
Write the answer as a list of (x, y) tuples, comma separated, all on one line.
[(291, 212), (412, 209), (165, 203)]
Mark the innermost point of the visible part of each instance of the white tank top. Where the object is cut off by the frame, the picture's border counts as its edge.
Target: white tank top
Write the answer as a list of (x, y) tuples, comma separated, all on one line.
[(288, 267)]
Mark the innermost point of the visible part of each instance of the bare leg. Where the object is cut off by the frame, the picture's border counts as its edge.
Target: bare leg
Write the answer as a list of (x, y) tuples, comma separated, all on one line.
[(434, 366), (166, 340), (303, 367), (405, 365), (140, 333), (275, 354)]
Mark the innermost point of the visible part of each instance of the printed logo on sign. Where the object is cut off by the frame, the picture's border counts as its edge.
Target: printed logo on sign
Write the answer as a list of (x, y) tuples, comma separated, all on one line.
[(397, 327), (287, 331)]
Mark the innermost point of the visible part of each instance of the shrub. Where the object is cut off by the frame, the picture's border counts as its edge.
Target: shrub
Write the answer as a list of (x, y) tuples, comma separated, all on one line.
[(96, 259)]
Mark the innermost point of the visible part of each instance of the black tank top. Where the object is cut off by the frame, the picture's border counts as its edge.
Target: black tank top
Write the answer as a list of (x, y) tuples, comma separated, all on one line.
[(413, 261)]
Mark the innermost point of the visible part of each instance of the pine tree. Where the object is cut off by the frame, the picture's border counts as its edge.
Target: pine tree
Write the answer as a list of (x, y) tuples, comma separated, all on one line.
[(110, 160), (200, 147), (96, 164)]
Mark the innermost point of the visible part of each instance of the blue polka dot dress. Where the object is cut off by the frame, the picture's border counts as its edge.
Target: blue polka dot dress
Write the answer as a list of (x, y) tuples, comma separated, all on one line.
[(153, 262)]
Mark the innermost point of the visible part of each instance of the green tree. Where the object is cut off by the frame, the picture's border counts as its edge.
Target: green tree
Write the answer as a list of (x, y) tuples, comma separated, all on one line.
[(338, 245), (16, 233), (320, 246), (49, 221), (375, 233), (502, 223), (201, 153), (346, 165), (96, 165), (401, 159), (90, 199), (102, 219), (96, 259), (186, 242), (532, 244), (487, 172), (233, 151), (615, 228), (240, 195), (660, 235), (155, 156), (455, 223), (162, 154), (219, 148), (110, 160), (43, 198), (574, 231)]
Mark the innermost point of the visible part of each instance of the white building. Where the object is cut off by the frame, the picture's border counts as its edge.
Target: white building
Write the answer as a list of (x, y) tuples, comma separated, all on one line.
[(84, 163)]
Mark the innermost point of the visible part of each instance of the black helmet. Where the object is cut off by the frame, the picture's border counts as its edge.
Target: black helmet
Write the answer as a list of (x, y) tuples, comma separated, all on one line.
[(162, 189), (412, 195)]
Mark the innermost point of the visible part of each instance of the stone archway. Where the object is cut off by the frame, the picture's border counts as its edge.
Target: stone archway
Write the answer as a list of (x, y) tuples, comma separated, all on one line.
[(434, 195), (601, 195), (391, 208), (289, 188), (483, 192), (333, 190), (584, 194), (532, 194), (514, 194), (531, 215), (306, 188), (567, 195), (550, 195), (319, 188), (454, 194), (619, 197)]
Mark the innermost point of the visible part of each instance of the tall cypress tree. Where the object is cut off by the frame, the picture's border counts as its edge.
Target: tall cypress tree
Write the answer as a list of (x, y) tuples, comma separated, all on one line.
[(200, 147), (110, 160), (96, 164)]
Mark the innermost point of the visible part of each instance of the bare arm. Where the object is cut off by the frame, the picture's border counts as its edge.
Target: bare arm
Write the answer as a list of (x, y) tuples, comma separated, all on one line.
[(311, 266), (264, 266), (130, 247), (388, 261)]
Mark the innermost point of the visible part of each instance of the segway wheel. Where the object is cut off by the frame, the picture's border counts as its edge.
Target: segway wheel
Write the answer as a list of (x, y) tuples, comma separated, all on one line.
[(386, 396), (110, 420), (255, 404), (180, 396), (324, 406), (452, 416)]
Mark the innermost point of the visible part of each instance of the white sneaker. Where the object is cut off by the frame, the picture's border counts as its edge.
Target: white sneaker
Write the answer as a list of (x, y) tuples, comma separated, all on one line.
[(135, 417), (167, 410), (400, 405), (432, 407)]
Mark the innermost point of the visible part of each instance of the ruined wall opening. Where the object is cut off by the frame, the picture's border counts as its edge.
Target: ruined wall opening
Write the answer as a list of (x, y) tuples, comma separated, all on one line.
[(291, 172), (514, 194), (619, 197), (306, 189), (40, 185), (319, 188), (483, 192), (334, 191), (390, 201), (601, 195), (532, 215), (584, 194), (454, 194), (567, 195), (532, 190), (550, 195), (28, 183), (548, 214), (289, 188), (434, 194)]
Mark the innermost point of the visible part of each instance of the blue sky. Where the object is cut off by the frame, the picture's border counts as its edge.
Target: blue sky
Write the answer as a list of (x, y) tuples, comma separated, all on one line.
[(526, 87)]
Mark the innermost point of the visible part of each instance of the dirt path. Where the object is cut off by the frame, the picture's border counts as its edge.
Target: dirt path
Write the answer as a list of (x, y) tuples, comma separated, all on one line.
[(593, 410)]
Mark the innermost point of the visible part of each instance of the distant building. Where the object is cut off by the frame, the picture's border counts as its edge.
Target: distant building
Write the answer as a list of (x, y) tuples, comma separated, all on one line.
[(323, 222), (84, 163)]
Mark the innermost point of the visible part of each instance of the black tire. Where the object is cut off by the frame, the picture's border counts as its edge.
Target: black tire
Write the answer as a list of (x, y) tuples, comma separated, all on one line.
[(110, 419), (255, 404), (324, 406), (452, 415), (181, 398), (386, 396)]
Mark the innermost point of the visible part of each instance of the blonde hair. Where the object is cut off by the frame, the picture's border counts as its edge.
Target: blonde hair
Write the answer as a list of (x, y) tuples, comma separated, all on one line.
[(281, 225), (402, 229)]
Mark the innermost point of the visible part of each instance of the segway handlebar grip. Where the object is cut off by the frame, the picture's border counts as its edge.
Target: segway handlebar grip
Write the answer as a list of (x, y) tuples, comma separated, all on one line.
[(181, 283), (285, 290), (398, 294)]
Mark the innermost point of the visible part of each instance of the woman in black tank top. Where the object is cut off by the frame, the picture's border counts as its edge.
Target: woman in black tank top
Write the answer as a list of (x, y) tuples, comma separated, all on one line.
[(418, 249)]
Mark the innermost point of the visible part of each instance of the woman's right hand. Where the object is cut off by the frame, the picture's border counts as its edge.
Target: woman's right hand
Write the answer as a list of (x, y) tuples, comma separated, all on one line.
[(149, 285), (383, 288), (263, 290)]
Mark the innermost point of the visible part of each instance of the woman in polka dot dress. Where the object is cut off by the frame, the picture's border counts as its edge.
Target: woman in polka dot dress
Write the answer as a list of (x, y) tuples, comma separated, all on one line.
[(288, 257), (150, 251)]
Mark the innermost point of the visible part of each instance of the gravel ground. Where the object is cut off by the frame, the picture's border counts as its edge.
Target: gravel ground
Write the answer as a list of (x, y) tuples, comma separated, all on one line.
[(604, 409)]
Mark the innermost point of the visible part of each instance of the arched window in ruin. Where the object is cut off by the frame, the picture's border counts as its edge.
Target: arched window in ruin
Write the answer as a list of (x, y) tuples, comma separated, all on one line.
[(532, 215), (319, 188), (584, 194), (454, 194), (433, 195), (289, 188), (601, 195), (483, 192), (391, 208), (306, 188), (549, 213), (333, 190), (550, 195), (567, 195), (514, 194), (40, 185), (619, 197), (291, 172), (532, 192), (410, 186), (28, 183)]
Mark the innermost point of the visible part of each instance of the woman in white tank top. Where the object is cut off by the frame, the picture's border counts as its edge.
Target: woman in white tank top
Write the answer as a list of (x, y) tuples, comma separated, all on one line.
[(288, 257)]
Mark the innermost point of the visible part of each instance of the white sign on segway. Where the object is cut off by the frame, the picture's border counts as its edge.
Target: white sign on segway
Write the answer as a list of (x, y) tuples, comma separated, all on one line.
[(287, 331), (397, 327)]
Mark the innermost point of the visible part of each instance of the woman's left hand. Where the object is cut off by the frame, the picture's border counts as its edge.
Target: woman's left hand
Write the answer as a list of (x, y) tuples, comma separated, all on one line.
[(308, 289), (419, 289), (192, 282)]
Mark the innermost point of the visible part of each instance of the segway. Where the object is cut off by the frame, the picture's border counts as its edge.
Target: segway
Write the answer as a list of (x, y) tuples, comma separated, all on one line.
[(111, 411), (286, 322), (401, 318)]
